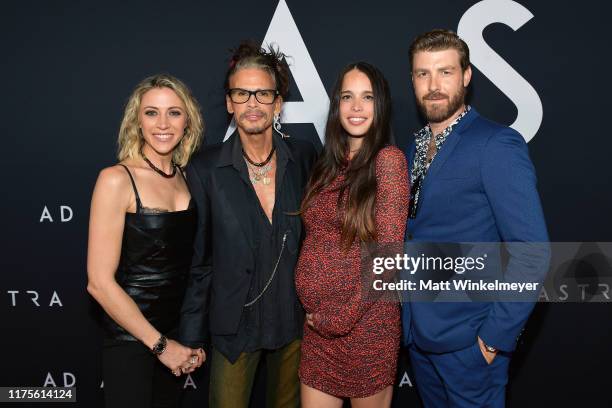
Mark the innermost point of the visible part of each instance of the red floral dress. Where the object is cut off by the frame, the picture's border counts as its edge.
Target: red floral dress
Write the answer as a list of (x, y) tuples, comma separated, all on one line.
[(353, 350)]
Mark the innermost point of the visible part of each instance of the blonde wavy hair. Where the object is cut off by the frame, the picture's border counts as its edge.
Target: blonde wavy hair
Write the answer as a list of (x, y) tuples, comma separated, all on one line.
[(130, 138)]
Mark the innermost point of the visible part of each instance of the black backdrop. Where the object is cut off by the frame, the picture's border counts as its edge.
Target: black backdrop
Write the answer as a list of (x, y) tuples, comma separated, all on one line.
[(68, 68)]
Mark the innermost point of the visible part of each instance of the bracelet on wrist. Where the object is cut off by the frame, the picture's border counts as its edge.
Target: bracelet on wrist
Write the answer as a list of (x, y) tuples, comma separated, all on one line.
[(160, 346)]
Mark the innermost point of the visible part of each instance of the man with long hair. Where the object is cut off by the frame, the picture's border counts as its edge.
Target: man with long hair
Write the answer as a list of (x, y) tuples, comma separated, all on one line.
[(241, 301)]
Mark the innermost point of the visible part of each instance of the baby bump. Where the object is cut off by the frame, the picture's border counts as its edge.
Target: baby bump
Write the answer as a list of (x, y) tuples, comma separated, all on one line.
[(322, 276)]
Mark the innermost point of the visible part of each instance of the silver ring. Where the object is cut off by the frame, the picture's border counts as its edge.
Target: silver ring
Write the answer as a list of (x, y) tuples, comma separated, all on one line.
[(193, 359)]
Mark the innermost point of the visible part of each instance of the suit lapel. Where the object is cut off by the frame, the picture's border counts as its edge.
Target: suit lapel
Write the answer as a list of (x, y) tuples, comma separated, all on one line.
[(445, 152), (449, 145), (233, 188)]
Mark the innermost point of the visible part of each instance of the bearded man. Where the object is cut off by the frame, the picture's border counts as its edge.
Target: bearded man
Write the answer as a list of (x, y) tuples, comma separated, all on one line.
[(472, 181)]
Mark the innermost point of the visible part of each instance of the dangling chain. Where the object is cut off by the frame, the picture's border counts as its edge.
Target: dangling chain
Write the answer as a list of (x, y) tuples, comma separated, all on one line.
[(271, 278)]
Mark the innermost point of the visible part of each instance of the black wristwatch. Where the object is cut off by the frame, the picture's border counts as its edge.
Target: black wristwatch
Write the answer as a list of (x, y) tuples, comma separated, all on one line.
[(160, 346)]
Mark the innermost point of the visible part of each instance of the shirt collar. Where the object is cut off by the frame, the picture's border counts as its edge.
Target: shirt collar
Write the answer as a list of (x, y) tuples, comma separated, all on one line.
[(426, 131), (231, 151)]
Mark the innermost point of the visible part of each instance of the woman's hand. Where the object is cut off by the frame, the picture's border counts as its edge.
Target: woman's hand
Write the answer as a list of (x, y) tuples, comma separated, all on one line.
[(180, 359), (310, 319)]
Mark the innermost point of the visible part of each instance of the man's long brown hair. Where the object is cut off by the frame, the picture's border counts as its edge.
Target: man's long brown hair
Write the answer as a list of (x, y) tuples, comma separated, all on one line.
[(357, 195)]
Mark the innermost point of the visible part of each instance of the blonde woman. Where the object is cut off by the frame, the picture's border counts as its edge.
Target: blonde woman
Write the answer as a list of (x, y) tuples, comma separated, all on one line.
[(141, 232)]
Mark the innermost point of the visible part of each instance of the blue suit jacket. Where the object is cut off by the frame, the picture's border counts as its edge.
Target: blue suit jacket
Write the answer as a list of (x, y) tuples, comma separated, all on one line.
[(481, 187)]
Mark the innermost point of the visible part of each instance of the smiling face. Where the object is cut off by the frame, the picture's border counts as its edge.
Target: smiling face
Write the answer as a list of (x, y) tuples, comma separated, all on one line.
[(439, 84), (163, 119), (356, 103), (253, 117)]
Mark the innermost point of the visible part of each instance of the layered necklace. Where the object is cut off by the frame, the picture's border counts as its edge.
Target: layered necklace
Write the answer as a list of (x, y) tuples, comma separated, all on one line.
[(258, 172)]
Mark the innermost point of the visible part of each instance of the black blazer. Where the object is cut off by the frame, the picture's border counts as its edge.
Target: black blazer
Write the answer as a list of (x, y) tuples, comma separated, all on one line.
[(224, 256)]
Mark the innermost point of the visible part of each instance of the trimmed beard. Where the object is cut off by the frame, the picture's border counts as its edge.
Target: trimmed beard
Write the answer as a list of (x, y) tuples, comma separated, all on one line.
[(440, 114)]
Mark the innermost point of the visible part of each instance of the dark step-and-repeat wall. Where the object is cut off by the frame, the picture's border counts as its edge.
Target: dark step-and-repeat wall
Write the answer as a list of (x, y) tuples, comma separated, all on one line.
[(68, 67)]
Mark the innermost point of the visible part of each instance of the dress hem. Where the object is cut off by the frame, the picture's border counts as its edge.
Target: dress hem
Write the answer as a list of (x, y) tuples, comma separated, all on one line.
[(329, 391)]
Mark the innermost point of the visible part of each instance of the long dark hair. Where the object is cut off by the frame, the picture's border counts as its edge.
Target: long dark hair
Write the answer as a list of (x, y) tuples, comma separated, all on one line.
[(357, 199)]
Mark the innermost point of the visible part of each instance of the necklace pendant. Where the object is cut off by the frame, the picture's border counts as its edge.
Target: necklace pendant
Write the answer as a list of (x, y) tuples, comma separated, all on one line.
[(266, 181), (257, 177)]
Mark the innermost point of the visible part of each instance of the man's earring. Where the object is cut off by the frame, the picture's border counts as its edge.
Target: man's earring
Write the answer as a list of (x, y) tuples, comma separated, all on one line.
[(277, 126)]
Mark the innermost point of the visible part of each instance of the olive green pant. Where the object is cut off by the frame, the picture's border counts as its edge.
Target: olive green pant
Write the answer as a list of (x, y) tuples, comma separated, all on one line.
[(231, 384)]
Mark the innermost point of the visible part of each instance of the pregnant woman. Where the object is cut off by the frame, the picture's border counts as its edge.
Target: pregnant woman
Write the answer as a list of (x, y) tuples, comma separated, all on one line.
[(358, 193)]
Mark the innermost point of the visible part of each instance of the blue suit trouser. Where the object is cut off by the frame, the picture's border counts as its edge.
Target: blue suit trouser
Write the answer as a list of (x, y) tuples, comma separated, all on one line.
[(461, 378)]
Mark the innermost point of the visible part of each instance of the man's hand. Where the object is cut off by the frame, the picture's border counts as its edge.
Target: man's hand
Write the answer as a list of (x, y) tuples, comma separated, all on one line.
[(180, 359), (486, 353), (196, 360)]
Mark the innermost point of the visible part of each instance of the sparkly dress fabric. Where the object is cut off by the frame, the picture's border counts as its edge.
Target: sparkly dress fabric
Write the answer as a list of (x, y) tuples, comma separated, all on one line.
[(352, 351)]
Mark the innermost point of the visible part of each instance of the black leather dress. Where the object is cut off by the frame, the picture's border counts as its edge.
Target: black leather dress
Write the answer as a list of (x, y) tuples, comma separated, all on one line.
[(154, 265)]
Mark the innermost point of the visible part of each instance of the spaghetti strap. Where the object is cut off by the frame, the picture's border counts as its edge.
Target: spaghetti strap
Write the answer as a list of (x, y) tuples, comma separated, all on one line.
[(138, 203), (180, 169)]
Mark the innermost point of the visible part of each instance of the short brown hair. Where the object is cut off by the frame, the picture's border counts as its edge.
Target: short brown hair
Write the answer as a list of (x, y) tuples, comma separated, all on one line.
[(440, 40)]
